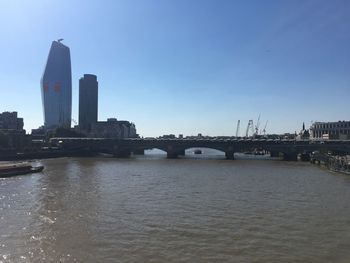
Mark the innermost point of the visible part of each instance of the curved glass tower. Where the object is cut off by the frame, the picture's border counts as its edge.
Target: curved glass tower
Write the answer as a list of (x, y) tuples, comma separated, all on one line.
[(56, 87)]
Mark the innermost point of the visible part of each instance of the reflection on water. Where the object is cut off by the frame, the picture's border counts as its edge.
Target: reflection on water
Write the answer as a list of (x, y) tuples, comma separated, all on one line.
[(200, 208)]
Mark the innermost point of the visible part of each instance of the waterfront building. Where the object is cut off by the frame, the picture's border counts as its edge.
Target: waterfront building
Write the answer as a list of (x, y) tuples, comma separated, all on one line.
[(88, 102), (330, 130), (12, 134), (39, 133), (56, 87), (128, 129), (9, 122), (112, 128)]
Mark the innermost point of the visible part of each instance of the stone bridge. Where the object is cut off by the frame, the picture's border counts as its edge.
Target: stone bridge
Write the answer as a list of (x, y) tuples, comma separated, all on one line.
[(176, 147)]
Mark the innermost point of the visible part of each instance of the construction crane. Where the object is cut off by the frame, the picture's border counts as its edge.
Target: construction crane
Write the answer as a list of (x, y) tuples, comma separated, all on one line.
[(249, 126), (264, 130), (237, 130), (257, 126)]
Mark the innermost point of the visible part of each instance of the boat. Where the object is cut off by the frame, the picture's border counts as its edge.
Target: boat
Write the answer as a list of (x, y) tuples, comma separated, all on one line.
[(12, 169), (197, 151)]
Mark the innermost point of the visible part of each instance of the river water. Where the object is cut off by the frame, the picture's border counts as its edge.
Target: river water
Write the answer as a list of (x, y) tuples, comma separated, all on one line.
[(196, 209)]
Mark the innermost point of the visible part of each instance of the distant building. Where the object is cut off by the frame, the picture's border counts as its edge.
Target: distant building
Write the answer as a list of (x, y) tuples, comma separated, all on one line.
[(106, 129), (9, 122), (39, 133), (12, 134), (128, 129), (330, 130), (88, 102), (288, 136), (303, 134), (112, 128), (56, 87), (168, 136)]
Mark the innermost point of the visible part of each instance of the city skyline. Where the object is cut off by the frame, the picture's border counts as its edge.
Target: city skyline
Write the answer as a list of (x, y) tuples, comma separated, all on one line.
[(186, 67)]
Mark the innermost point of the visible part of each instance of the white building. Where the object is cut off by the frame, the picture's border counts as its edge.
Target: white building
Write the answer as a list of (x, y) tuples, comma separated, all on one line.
[(330, 130)]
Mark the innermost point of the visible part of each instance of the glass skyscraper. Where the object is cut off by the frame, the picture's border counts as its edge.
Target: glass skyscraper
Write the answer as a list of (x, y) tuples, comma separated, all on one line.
[(56, 87)]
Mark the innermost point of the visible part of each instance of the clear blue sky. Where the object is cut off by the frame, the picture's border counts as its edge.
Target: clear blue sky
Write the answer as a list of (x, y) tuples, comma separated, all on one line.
[(185, 66)]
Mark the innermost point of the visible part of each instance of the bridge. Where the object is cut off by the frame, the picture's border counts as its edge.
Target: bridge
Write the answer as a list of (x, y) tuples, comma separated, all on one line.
[(176, 147)]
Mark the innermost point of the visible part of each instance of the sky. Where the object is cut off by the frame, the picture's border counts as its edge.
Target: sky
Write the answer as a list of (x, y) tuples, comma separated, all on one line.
[(185, 66)]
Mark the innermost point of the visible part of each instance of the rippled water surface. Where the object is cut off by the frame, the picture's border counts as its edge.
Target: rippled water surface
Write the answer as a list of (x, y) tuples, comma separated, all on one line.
[(151, 209)]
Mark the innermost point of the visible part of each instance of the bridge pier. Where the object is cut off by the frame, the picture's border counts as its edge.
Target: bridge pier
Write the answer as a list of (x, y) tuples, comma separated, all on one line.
[(274, 154), (139, 152), (122, 154), (172, 155), (290, 156), (230, 155), (175, 154)]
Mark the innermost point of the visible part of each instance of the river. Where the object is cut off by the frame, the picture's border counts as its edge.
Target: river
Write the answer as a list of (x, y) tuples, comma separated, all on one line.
[(201, 208)]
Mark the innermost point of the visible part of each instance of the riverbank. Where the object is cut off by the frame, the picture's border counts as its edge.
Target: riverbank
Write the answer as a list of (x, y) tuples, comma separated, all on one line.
[(333, 163)]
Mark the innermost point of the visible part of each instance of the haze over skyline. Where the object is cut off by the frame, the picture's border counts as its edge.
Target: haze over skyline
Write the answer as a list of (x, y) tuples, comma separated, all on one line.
[(185, 66)]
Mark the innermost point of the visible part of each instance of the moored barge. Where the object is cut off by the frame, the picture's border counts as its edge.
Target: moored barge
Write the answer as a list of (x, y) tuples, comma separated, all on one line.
[(12, 169)]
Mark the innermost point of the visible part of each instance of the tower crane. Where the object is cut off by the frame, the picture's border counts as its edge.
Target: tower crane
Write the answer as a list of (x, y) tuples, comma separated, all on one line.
[(249, 126), (237, 130), (257, 126), (264, 130)]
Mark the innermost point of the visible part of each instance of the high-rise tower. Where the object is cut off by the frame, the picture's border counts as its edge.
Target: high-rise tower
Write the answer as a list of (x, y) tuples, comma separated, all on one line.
[(88, 101), (56, 87)]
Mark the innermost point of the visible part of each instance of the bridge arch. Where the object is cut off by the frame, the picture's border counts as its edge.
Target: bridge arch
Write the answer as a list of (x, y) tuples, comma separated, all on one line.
[(155, 151), (205, 150)]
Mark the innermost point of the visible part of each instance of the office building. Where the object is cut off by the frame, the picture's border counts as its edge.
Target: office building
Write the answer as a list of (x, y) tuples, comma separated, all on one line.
[(330, 130), (56, 87), (9, 122), (88, 102), (112, 128), (12, 134)]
